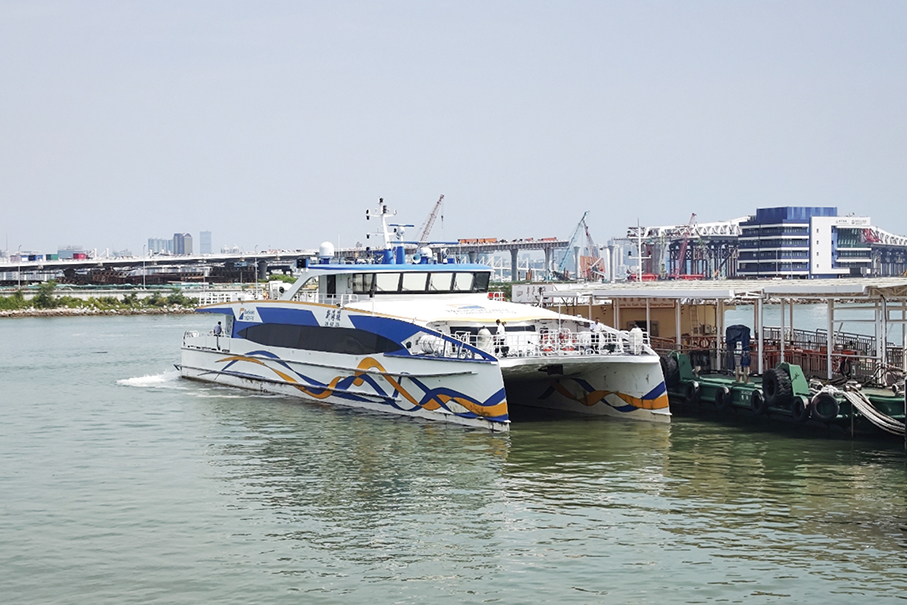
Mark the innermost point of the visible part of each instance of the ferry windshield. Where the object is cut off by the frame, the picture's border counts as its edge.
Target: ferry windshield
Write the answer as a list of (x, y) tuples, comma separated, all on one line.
[(441, 282)]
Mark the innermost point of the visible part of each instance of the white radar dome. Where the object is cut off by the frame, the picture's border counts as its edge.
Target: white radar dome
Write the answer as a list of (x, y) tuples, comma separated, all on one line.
[(326, 250)]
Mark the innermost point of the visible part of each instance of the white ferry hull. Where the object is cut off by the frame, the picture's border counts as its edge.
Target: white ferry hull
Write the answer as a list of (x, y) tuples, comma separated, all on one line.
[(465, 392), (630, 387)]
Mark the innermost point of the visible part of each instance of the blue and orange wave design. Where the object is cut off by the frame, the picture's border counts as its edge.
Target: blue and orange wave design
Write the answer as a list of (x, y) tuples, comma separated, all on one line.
[(494, 408), (656, 399)]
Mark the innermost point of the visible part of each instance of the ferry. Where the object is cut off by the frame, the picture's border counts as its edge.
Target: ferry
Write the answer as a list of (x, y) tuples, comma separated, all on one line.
[(421, 337)]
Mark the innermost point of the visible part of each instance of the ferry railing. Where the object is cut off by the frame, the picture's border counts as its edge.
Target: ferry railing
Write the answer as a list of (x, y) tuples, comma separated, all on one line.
[(193, 339), (327, 299), (552, 343)]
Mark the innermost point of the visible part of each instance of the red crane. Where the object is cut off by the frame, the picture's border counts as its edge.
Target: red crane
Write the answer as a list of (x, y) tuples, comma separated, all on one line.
[(681, 268)]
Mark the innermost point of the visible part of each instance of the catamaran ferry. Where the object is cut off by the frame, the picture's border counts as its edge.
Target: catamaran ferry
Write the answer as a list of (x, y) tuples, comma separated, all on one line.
[(421, 338)]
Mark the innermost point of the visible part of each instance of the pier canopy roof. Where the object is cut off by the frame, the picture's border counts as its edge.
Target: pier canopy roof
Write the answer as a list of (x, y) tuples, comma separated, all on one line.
[(747, 291)]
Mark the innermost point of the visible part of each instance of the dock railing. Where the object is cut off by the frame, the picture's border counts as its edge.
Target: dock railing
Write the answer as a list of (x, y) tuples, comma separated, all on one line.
[(853, 355)]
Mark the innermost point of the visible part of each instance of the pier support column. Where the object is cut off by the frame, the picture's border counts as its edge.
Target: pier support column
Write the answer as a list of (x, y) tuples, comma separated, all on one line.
[(547, 264), (514, 267), (677, 323), (781, 301), (904, 344), (649, 321), (883, 337), (719, 321), (760, 334), (262, 269), (473, 256), (830, 338)]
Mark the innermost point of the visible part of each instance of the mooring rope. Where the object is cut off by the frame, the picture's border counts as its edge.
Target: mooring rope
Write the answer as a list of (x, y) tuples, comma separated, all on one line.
[(862, 404)]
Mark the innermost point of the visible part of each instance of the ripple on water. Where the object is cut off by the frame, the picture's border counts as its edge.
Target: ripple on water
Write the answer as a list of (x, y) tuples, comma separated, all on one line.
[(123, 483)]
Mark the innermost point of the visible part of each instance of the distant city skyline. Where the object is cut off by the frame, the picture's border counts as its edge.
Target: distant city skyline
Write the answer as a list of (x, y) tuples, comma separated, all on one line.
[(277, 125)]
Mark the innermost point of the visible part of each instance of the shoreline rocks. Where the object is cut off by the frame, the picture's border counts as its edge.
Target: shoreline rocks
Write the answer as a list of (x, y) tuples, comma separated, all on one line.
[(87, 311)]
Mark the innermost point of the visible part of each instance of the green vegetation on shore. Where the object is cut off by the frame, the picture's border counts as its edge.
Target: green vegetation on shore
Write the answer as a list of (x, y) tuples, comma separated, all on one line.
[(46, 299)]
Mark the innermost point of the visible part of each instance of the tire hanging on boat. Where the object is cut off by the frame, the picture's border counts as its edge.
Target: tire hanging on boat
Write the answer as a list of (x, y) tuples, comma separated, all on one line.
[(691, 394), (777, 387), (800, 408), (758, 403), (722, 399), (670, 370), (825, 407)]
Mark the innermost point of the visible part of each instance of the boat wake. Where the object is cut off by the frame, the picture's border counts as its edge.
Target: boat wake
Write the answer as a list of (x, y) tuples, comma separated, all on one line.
[(164, 380)]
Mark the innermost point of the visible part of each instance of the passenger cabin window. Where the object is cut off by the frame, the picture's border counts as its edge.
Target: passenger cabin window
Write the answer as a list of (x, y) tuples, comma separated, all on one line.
[(440, 282), (387, 282), (362, 283), (462, 282), (316, 338), (420, 281), (414, 282)]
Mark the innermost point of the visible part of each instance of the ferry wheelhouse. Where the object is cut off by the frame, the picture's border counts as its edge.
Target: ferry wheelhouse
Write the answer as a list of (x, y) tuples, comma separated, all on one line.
[(424, 339)]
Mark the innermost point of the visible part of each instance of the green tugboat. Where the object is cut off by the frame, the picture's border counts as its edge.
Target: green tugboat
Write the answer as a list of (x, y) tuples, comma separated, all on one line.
[(783, 394)]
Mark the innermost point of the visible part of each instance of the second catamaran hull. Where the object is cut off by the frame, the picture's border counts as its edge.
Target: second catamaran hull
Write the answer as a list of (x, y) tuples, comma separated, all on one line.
[(630, 387)]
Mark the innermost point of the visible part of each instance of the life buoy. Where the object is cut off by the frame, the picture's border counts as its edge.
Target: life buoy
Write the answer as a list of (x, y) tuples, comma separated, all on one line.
[(691, 394), (722, 399), (757, 403), (800, 408), (825, 407), (703, 343), (566, 342)]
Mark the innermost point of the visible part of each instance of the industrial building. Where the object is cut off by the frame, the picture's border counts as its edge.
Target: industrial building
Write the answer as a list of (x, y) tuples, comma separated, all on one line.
[(794, 242)]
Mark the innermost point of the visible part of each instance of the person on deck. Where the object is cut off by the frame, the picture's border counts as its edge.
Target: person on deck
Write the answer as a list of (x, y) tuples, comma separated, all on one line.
[(500, 338)]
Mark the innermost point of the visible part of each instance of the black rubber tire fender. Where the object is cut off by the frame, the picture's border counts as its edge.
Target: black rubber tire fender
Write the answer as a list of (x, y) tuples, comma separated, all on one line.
[(825, 407), (722, 399), (691, 393), (800, 408), (777, 388), (670, 370), (758, 403)]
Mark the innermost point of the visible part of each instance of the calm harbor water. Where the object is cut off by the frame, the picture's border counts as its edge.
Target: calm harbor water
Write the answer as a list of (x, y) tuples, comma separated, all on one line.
[(121, 483)]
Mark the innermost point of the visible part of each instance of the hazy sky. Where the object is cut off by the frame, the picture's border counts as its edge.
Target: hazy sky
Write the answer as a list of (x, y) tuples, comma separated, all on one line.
[(276, 124)]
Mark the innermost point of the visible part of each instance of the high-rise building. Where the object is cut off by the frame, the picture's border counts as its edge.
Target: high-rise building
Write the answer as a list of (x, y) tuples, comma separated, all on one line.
[(158, 245), (182, 243), (204, 242)]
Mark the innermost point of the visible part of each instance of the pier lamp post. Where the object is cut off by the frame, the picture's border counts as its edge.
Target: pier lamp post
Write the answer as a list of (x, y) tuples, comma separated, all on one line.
[(144, 247)]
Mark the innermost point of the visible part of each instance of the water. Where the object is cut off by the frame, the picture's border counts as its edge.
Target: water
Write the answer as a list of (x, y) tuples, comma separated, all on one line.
[(121, 483), (811, 317)]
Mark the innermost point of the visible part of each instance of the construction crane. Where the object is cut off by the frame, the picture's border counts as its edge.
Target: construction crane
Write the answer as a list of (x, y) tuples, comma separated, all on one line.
[(681, 257), (594, 255), (574, 239), (430, 221)]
